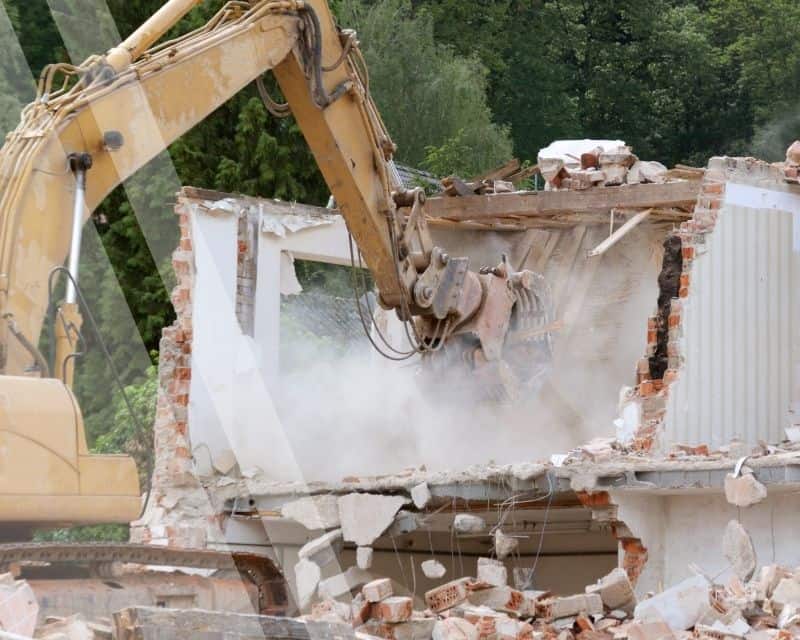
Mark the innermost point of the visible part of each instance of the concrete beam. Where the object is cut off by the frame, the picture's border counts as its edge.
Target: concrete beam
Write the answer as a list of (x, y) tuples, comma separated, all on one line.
[(154, 623)]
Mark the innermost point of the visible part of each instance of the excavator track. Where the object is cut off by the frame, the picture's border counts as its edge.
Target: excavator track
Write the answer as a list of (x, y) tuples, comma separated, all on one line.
[(260, 569)]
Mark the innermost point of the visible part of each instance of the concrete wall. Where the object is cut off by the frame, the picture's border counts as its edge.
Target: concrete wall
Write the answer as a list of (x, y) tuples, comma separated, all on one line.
[(679, 530)]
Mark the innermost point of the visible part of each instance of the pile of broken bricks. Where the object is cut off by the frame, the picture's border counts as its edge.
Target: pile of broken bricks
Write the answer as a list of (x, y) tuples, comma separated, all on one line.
[(601, 168), (763, 605)]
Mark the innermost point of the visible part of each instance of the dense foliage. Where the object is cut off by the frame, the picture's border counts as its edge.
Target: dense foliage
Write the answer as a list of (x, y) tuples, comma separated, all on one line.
[(462, 85)]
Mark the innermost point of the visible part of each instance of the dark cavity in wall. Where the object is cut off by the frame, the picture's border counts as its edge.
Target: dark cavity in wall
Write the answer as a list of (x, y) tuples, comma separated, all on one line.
[(669, 283)]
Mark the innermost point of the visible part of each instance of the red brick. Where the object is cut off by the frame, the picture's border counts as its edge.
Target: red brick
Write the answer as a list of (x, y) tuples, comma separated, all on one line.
[(674, 320), (646, 388), (670, 375), (688, 253), (713, 188)]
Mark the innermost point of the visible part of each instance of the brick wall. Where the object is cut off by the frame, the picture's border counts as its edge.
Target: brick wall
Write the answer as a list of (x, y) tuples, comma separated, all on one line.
[(661, 365), (178, 510)]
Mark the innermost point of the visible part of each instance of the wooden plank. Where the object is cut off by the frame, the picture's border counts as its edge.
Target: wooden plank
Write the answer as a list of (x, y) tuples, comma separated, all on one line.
[(620, 233), (545, 203)]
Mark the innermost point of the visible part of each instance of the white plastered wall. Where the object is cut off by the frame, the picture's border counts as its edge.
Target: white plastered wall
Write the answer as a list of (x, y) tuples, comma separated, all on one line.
[(680, 530), (739, 326)]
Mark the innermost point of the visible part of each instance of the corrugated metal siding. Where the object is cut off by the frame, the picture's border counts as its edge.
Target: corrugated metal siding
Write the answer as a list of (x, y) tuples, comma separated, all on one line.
[(739, 332)]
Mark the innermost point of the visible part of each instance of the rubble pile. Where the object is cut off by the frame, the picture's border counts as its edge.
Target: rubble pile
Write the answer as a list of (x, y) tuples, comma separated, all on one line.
[(604, 165), (766, 606)]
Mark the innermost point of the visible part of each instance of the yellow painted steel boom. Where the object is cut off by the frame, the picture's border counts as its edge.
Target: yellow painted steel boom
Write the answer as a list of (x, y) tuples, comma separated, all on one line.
[(94, 125)]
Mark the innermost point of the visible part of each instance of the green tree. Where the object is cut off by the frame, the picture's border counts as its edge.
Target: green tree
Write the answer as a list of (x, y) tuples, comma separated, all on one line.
[(431, 99)]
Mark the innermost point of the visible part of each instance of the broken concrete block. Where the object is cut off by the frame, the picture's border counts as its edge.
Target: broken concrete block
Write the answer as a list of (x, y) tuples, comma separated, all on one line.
[(225, 462), (377, 590), (745, 490), (433, 569), (421, 495), (344, 583), (322, 551), (655, 630), (787, 593), (615, 590), (414, 629), (554, 608), (307, 576), (789, 616), (394, 609), (364, 517), (498, 598), (737, 546), (71, 628), (468, 523), (18, 606), (331, 611), (446, 595), (512, 629), (492, 572), (364, 557), (737, 628), (313, 512), (504, 545), (680, 606), (454, 629)]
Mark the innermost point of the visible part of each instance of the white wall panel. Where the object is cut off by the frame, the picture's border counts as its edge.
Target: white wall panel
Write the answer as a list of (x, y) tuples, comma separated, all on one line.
[(739, 328)]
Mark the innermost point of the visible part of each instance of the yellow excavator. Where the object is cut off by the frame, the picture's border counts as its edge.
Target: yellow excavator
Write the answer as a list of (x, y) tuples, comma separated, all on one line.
[(94, 125)]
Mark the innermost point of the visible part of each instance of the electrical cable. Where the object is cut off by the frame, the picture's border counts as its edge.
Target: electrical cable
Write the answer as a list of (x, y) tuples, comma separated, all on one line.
[(114, 372)]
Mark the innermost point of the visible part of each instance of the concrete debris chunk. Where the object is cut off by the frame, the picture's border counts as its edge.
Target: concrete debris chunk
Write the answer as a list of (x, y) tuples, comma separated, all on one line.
[(468, 523), (745, 490), (454, 629), (737, 546), (433, 569), (790, 616), (421, 495), (364, 557), (331, 611), (680, 606), (322, 551), (615, 590), (569, 606), (656, 630), (737, 629), (377, 590), (339, 585), (512, 629), (787, 593), (504, 545), (314, 512), (447, 595), (394, 609), (225, 462), (71, 628), (414, 629), (364, 517), (18, 606), (498, 598), (307, 576), (492, 572)]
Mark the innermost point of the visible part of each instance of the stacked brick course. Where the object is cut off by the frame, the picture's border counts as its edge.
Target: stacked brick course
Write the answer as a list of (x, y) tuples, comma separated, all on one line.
[(177, 513), (660, 368)]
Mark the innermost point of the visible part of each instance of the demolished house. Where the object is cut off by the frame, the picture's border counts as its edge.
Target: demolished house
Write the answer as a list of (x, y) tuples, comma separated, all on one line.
[(648, 491)]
